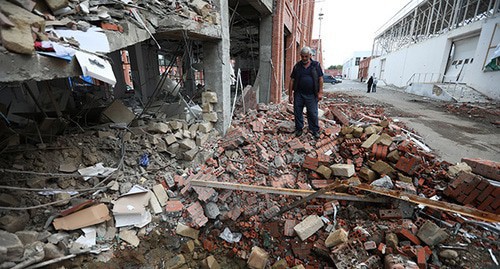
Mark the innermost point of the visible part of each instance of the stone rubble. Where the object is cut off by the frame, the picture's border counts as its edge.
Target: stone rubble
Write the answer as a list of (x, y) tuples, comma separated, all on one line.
[(320, 234)]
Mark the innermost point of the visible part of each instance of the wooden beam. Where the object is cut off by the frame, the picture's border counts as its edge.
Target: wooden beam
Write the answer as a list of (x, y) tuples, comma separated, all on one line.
[(284, 191), (445, 206)]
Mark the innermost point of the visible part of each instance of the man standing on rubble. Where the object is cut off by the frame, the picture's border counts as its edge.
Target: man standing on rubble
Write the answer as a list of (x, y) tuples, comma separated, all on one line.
[(306, 89)]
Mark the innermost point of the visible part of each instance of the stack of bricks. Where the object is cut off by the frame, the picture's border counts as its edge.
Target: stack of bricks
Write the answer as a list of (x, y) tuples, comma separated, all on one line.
[(470, 189), (486, 168)]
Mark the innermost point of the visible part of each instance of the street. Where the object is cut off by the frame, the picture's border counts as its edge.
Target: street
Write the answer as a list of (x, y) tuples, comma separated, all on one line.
[(451, 137)]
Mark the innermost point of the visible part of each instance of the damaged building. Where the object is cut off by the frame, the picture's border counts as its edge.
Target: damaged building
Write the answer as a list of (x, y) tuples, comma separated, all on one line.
[(141, 133)]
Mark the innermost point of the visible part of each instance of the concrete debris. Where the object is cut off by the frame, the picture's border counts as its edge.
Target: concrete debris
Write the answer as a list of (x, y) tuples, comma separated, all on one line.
[(258, 258), (260, 151), (13, 246), (308, 226), (187, 231), (129, 236)]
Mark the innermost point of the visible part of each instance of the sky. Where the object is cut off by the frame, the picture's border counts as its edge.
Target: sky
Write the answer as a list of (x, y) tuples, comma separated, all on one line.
[(350, 25)]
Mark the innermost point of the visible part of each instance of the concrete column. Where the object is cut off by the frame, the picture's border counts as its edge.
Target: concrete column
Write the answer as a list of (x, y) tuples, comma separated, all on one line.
[(277, 53), (138, 71), (217, 68), (151, 67), (265, 75), (117, 64), (189, 85)]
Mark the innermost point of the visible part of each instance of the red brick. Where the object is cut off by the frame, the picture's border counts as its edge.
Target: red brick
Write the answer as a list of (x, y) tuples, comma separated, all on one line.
[(421, 258), (324, 159), (369, 245), (428, 251), (381, 249), (461, 198), (489, 169), (321, 183), (310, 163), (496, 192), (465, 177), (495, 204), (295, 144), (408, 235), (288, 229), (410, 251), (197, 213), (339, 116), (111, 26), (174, 206), (408, 165), (482, 185), (352, 141), (204, 194), (486, 192), (486, 203), (473, 195)]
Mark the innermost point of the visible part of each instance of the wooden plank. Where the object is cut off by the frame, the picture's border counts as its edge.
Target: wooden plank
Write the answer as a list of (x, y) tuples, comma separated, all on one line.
[(314, 195), (445, 206), (284, 191)]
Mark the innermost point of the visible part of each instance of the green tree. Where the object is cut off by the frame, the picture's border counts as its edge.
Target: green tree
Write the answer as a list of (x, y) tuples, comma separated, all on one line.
[(335, 67)]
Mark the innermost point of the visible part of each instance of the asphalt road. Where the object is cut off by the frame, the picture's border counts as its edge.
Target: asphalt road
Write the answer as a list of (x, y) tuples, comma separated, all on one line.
[(451, 137)]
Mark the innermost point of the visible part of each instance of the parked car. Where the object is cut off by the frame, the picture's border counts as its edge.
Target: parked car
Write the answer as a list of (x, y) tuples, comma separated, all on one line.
[(330, 79)]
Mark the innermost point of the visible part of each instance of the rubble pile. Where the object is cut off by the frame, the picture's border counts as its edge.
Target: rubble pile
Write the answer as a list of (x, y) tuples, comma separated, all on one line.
[(246, 214), (486, 112), (43, 25)]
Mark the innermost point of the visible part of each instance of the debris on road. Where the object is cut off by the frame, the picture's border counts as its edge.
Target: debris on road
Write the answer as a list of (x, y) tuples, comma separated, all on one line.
[(391, 202)]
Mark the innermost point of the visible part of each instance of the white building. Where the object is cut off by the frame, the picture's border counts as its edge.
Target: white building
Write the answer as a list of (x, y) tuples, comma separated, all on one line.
[(437, 43), (350, 68)]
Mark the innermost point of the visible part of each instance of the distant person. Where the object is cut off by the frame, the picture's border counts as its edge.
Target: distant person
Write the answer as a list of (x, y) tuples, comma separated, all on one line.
[(361, 79), (369, 84), (374, 86), (306, 89)]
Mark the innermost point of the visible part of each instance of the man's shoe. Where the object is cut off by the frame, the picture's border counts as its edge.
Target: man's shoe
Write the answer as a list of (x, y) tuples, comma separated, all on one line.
[(316, 135), (298, 133)]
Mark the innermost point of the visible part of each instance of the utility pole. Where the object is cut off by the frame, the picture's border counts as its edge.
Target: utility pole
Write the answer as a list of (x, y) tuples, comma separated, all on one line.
[(320, 45)]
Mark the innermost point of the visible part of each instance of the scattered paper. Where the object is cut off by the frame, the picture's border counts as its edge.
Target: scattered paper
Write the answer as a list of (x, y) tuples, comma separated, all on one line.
[(130, 208), (230, 237), (88, 239), (96, 67), (96, 170)]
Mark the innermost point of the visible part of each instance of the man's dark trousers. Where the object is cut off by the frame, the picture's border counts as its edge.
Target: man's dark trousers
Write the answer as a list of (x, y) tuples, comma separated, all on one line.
[(310, 101)]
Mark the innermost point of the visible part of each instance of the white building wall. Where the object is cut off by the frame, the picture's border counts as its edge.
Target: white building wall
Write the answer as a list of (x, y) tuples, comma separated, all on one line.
[(349, 69), (487, 83), (430, 57)]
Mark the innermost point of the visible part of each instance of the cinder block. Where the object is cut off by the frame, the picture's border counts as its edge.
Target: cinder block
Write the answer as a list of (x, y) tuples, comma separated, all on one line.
[(370, 141), (344, 170), (161, 194), (367, 174), (187, 231), (258, 258), (324, 171), (308, 226), (431, 234), (209, 97), (210, 117), (337, 237)]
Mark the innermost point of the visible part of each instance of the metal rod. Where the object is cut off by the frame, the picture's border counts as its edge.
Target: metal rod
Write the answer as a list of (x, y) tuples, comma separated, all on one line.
[(25, 85)]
